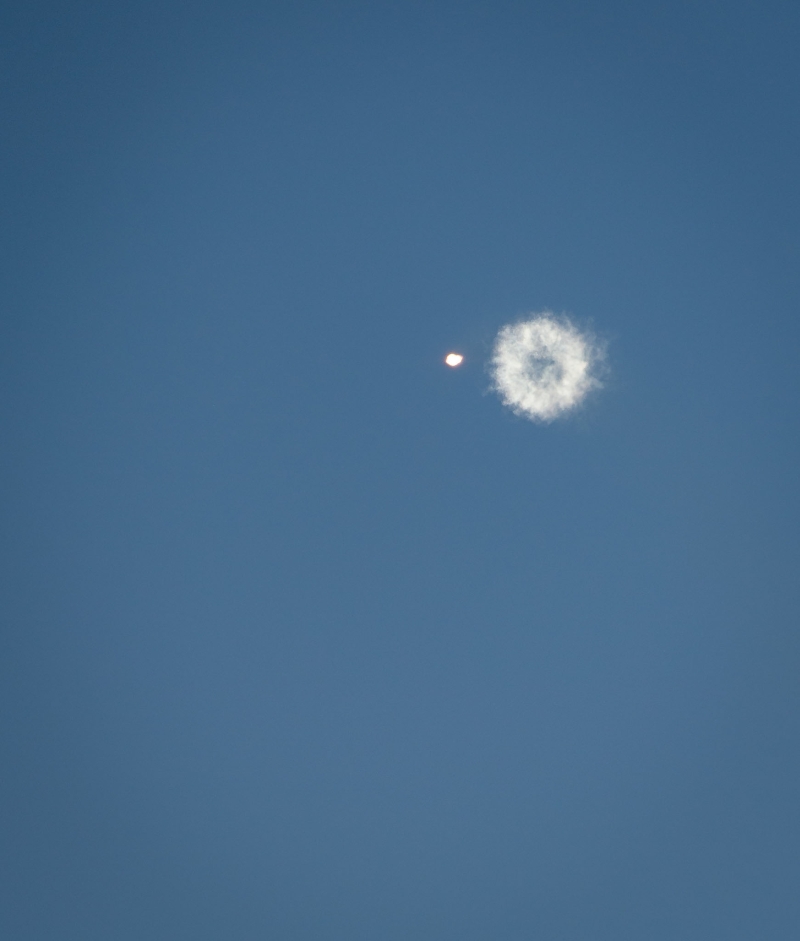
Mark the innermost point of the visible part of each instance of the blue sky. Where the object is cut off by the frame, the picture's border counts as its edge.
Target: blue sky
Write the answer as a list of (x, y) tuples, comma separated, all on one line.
[(306, 636)]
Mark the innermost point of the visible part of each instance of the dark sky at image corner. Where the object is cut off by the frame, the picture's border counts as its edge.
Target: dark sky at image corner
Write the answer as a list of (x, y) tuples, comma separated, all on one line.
[(304, 635)]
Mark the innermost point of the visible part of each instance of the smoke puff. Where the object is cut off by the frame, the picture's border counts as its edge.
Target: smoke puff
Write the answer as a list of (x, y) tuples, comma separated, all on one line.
[(544, 367)]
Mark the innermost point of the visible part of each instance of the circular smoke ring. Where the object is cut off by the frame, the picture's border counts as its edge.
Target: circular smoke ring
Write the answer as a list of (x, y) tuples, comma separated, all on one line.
[(544, 367)]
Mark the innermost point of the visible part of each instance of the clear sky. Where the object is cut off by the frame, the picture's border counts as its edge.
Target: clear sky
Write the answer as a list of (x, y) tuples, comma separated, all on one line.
[(305, 636)]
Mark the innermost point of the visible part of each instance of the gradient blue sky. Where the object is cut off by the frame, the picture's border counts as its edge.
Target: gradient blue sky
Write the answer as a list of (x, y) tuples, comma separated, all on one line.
[(304, 635)]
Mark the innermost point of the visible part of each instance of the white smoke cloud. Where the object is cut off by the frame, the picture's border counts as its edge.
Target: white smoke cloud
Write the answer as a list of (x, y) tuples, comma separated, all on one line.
[(544, 367)]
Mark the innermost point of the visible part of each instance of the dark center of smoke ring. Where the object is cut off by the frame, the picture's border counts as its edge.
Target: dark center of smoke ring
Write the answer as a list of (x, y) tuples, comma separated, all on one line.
[(543, 371)]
